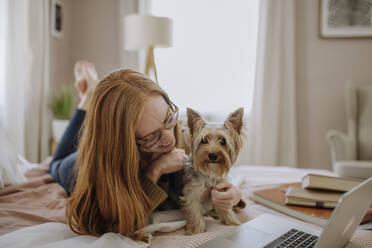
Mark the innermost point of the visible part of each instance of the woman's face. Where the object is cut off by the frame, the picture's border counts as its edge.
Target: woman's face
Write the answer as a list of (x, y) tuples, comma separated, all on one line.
[(155, 113)]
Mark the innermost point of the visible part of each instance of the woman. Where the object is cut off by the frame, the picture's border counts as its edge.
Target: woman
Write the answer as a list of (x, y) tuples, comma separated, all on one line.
[(129, 139)]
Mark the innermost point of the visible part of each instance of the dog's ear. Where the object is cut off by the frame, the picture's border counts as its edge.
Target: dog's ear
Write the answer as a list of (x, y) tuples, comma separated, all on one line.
[(192, 118), (235, 119)]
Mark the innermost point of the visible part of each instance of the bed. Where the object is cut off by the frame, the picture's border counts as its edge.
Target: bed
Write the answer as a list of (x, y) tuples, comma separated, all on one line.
[(33, 214)]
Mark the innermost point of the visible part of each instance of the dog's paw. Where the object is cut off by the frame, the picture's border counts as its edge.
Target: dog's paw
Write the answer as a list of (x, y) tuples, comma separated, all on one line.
[(231, 222), (230, 218), (195, 229)]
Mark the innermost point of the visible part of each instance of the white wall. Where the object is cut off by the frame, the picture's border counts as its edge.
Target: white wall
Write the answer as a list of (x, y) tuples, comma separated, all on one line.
[(60, 51), (323, 66), (93, 32)]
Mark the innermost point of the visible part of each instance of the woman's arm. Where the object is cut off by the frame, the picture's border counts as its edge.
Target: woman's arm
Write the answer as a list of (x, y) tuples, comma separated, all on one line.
[(166, 164)]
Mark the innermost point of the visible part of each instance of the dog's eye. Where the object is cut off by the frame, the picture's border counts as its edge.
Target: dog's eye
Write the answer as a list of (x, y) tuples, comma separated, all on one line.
[(204, 141), (223, 142)]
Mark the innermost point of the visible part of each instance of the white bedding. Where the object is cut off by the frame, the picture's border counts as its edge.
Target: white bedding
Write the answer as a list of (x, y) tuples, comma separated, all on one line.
[(58, 235), (168, 233)]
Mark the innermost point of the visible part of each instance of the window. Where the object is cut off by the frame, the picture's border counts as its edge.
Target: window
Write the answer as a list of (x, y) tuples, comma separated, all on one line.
[(211, 65), (3, 23)]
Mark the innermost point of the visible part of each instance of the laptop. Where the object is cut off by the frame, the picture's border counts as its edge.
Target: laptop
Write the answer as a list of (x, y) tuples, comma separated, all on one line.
[(270, 231)]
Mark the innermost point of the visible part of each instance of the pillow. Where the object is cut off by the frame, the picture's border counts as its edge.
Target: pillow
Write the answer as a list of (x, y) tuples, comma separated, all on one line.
[(10, 172)]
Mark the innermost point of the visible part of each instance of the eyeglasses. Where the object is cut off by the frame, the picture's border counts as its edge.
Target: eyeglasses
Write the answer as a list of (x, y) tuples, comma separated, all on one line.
[(150, 140)]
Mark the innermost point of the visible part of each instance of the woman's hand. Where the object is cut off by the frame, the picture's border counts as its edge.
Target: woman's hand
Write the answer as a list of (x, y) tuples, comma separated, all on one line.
[(225, 196), (168, 163)]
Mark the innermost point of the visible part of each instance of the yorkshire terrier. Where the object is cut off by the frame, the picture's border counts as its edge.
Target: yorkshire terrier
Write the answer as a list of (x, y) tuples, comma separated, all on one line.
[(214, 149)]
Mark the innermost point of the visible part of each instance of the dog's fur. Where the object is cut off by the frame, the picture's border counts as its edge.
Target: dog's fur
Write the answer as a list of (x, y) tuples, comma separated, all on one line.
[(214, 149)]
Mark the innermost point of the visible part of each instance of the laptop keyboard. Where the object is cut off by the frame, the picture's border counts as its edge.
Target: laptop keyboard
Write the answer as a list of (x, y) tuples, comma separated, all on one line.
[(294, 238)]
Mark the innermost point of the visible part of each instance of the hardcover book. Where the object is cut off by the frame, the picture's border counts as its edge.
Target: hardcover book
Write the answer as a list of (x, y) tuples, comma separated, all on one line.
[(275, 198), (343, 184), (312, 198)]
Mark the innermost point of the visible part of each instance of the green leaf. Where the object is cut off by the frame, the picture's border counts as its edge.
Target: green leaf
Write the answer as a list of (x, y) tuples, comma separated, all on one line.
[(62, 103)]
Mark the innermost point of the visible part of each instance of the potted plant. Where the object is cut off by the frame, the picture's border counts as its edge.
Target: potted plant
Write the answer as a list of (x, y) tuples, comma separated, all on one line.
[(62, 105)]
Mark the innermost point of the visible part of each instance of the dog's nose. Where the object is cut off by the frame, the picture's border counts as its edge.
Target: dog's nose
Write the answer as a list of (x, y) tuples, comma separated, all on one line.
[(212, 156)]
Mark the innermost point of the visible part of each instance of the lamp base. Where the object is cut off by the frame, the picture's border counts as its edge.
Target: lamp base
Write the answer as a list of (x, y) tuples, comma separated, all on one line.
[(150, 63)]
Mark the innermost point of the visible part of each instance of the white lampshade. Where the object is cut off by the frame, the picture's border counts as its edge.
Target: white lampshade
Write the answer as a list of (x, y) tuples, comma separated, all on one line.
[(143, 31)]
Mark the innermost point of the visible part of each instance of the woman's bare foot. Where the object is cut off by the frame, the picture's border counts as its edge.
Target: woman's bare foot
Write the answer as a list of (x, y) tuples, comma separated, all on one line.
[(86, 79)]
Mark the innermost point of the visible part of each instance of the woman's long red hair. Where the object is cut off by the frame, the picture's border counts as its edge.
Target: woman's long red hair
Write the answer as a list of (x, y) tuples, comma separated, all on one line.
[(108, 196)]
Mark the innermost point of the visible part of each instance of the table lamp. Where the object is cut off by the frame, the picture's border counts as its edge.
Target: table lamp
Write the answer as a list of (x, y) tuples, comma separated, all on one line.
[(147, 32)]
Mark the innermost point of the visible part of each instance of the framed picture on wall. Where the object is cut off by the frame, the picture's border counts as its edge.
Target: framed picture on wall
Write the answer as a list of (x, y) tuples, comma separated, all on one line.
[(57, 18), (345, 18)]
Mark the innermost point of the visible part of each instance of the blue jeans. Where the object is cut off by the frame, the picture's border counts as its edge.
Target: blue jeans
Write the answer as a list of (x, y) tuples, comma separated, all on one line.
[(62, 167), (64, 172)]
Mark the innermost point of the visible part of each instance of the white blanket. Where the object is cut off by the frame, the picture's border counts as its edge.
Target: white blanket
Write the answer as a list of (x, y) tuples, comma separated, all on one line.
[(58, 235)]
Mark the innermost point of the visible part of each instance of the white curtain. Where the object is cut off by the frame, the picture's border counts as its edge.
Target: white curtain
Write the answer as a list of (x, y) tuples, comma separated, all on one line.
[(27, 77), (272, 138), (3, 32)]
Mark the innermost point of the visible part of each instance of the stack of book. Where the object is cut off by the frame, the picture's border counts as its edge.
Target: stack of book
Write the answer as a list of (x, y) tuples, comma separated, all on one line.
[(312, 200)]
